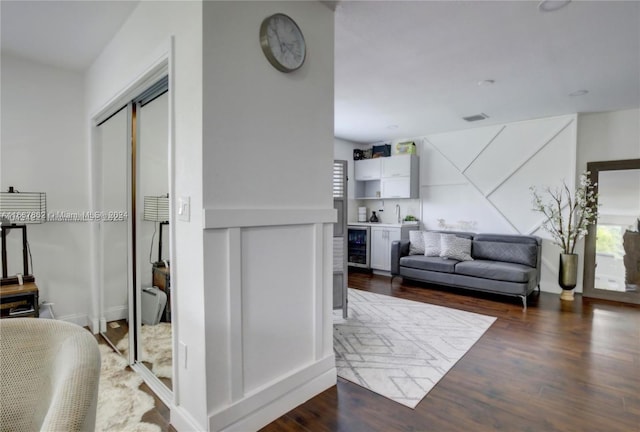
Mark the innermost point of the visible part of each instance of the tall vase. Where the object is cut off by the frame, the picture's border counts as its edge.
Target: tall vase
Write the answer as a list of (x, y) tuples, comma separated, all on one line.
[(568, 275)]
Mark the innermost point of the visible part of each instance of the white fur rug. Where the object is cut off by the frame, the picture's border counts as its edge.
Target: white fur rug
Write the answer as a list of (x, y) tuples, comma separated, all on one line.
[(156, 348), (121, 404), (398, 348)]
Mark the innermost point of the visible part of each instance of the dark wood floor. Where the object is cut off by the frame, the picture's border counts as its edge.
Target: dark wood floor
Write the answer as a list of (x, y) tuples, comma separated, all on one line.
[(559, 366)]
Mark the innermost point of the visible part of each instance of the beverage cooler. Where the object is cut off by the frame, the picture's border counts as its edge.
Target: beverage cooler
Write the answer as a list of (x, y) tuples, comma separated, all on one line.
[(359, 246)]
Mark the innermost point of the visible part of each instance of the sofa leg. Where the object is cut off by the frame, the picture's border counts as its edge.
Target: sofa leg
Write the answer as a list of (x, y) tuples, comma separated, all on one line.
[(524, 302)]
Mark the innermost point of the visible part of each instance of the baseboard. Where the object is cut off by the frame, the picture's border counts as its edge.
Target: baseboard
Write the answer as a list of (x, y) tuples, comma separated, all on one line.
[(182, 421), (267, 404), (116, 313), (80, 319)]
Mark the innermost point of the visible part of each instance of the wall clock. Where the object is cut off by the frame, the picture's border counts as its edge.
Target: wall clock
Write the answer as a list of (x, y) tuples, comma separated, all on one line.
[(282, 42)]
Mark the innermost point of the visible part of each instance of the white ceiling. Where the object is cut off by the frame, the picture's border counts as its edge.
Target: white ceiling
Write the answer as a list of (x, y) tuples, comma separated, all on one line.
[(417, 64), (406, 69), (67, 34)]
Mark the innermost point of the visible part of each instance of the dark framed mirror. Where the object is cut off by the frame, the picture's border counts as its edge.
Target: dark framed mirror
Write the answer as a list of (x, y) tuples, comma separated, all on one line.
[(612, 245)]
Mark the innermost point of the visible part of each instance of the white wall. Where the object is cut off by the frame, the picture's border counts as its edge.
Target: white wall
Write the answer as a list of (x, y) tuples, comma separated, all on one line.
[(608, 136), (43, 150), (268, 152), (143, 41)]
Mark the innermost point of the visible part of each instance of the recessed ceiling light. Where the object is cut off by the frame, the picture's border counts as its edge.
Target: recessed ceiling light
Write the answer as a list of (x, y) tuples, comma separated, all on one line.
[(392, 127), (552, 5), (486, 82), (579, 93)]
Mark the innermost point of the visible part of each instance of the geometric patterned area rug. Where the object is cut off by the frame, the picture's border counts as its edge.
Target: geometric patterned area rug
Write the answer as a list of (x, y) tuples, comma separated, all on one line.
[(399, 348)]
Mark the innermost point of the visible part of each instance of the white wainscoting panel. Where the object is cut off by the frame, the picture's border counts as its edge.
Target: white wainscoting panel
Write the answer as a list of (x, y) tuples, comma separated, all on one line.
[(278, 302), (269, 312)]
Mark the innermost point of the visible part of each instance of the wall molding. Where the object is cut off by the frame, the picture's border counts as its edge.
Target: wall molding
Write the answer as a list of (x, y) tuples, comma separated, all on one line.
[(258, 408), (245, 218)]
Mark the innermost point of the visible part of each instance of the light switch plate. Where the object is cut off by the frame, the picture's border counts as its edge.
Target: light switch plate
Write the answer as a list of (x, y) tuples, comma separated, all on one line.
[(184, 208)]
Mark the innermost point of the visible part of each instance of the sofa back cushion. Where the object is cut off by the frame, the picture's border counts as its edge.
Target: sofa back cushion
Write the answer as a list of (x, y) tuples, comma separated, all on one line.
[(513, 249), (416, 243)]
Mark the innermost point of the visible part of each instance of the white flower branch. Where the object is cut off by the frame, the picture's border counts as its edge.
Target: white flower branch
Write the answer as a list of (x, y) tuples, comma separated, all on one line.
[(581, 212)]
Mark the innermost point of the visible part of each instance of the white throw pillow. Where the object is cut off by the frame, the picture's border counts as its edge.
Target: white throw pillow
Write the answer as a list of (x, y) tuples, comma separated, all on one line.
[(416, 245), (431, 243), (455, 248)]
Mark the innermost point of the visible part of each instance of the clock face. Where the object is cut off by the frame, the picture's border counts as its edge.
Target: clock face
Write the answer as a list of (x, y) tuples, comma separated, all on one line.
[(282, 42)]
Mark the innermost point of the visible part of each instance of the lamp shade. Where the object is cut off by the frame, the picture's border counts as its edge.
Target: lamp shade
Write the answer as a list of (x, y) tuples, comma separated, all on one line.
[(23, 207), (156, 208)]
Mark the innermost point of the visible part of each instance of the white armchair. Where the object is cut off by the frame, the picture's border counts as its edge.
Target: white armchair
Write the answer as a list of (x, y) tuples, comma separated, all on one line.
[(49, 374)]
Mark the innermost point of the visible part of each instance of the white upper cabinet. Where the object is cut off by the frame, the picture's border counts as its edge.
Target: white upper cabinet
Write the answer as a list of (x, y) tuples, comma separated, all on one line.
[(399, 187), (368, 169), (387, 177), (397, 166)]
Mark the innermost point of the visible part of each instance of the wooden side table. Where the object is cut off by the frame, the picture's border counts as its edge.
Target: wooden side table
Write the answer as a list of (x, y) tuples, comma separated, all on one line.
[(19, 301)]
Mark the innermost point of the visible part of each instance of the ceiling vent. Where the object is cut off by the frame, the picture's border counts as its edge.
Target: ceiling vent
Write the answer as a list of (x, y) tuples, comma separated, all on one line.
[(476, 117)]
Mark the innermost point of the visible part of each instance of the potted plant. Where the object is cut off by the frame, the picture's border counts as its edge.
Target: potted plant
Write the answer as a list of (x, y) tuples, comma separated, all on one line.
[(567, 218)]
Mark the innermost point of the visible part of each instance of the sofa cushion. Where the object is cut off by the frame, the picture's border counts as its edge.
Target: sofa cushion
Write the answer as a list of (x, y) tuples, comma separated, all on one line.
[(416, 245), (517, 253), (452, 247), (496, 270), (431, 241), (422, 262)]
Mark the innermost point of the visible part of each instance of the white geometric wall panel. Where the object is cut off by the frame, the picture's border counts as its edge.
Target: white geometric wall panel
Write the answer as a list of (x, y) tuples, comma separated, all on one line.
[(505, 161), (460, 203), (510, 149), (547, 168), (277, 318), (462, 147), (436, 169)]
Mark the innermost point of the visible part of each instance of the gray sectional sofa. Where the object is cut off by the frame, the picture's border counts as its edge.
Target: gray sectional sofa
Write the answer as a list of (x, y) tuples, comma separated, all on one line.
[(502, 264)]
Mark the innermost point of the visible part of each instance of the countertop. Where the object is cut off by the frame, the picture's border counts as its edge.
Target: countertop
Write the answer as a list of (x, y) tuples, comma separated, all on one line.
[(386, 225)]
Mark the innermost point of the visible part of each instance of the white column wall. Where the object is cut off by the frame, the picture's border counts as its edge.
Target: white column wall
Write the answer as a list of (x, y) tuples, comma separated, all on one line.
[(268, 152)]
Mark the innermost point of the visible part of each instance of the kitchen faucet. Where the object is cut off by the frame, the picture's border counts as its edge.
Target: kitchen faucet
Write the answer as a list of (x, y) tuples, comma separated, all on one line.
[(398, 213)]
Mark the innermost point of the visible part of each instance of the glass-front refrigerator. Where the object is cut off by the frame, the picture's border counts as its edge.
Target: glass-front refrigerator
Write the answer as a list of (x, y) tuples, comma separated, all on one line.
[(359, 246)]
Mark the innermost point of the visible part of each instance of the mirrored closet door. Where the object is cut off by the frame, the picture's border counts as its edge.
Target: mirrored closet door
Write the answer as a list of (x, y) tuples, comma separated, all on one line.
[(114, 240), (133, 178), (152, 232)]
